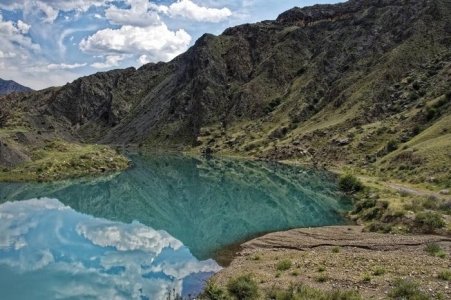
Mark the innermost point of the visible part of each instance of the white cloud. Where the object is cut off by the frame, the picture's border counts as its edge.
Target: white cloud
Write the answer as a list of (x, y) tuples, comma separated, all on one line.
[(11, 34), (138, 14), (190, 10), (63, 66), (157, 42), (23, 27), (110, 61), (50, 13), (65, 5), (143, 60), (127, 237)]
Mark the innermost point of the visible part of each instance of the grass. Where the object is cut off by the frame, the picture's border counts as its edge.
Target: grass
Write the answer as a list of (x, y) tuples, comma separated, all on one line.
[(379, 271), (242, 290), (434, 250), (406, 289), (444, 275), (322, 277), (284, 265), (60, 160), (366, 278), (335, 249), (321, 268)]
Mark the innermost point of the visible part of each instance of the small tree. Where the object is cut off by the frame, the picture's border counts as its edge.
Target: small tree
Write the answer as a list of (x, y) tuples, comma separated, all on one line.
[(348, 183)]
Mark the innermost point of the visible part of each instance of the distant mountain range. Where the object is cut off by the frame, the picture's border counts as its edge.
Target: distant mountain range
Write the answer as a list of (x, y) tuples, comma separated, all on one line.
[(10, 86)]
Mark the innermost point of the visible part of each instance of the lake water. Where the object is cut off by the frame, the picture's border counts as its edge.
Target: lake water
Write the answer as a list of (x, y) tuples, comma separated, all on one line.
[(151, 230)]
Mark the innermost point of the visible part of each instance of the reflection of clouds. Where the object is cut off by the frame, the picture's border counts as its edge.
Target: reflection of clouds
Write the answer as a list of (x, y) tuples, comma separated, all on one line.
[(186, 268), (83, 257), (126, 237)]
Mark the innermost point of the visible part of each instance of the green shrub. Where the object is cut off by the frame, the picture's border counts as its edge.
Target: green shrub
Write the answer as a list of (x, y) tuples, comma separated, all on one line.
[(322, 277), (321, 268), (364, 204), (392, 145), (335, 249), (243, 287), (429, 221), (213, 292), (302, 292), (366, 278), (348, 183), (445, 275), (405, 289), (432, 249), (379, 271), (284, 265)]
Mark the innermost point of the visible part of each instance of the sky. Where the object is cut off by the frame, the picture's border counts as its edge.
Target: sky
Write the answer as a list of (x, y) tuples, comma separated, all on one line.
[(47, 43)]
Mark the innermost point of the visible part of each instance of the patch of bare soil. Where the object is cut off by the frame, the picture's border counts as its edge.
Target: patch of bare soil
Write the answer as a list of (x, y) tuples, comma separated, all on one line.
[(343, 257)]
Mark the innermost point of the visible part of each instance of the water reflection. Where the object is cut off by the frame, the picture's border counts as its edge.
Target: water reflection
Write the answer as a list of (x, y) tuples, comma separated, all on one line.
[(206, 204), (50, 251)]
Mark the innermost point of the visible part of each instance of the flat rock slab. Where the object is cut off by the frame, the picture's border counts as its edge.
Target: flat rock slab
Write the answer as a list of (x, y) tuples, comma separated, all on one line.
[(343, 236)]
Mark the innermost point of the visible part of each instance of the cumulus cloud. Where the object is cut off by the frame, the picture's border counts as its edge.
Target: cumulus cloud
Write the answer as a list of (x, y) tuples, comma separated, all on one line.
[(11, 33), (65, 5), (190, 10), (138, 14), (127, 237), (63, 66), (157, 42), (23, 27)]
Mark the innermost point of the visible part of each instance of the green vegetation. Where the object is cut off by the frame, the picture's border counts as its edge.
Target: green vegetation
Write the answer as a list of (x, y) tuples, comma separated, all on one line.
[(293, 292), (445, 275), (284, 265), (321, 268), (322, 277), (348, 183), (335, 249), (405, 289), (429, 221), (301, 292), (366, 278), (435, 250), (379, 271), (60, 160), (243, 288)]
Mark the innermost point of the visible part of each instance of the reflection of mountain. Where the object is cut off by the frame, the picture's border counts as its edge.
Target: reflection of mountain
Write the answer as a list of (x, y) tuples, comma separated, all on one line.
[(206, 204), (61, 254)]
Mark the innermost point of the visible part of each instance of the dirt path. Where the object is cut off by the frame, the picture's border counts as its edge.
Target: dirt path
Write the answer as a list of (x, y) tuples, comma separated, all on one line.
[(317, 263), (415, 191)]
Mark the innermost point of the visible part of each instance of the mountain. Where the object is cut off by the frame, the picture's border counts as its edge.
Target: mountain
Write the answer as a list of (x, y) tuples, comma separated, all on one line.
[(10, 86), (363, 84)]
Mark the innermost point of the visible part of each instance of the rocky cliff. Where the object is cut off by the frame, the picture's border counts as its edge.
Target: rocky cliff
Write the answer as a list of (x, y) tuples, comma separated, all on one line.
[(326, 83)]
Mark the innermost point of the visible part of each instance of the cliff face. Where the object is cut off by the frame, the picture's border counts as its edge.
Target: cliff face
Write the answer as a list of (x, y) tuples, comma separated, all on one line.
[(296, 87)]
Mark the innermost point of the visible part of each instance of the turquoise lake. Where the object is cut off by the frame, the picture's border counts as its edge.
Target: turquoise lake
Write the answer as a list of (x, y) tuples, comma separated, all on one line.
[(153, 229)]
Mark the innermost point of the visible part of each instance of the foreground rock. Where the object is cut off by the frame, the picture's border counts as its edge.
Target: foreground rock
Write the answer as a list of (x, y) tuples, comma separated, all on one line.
[(345, 258)]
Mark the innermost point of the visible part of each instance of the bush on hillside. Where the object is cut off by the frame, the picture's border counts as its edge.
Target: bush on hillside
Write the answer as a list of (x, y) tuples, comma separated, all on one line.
[(243, 287), (350, 184)]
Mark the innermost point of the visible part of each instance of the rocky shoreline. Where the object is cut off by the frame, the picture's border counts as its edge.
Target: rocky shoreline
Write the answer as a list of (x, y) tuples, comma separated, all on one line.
[(344, 257)]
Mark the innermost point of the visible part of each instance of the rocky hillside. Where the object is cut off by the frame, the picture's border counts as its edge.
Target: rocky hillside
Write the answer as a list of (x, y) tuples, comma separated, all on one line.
[(360, 83), (10, 86)]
